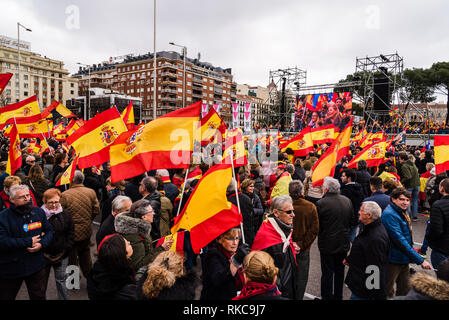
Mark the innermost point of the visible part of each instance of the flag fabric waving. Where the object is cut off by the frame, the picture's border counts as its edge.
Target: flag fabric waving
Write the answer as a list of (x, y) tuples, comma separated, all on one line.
[(178, 242), (30, 127), (208, 213), (323, 134), (301, 144), (4, 79), (156, 145), (128, 116), (57, 110), (441, 149), (211, 125), (373, 154), (93, 139), (15, 153), (234, 143), (24, 108)]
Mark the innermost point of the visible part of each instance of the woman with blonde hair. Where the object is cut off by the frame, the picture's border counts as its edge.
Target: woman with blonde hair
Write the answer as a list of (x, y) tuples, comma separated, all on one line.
[(260, 274), (166, 279)]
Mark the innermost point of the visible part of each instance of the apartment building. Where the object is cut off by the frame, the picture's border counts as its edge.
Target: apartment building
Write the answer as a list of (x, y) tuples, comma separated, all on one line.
[(39, 75)]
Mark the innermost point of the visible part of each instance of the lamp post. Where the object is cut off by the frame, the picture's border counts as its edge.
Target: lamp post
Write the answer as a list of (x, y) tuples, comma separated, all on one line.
[(86, 110), (184, 53), (18, 53), (154, 63)]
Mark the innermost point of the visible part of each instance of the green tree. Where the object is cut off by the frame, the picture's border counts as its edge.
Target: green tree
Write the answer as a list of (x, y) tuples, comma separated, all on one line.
[(418, 86), (439, 78)]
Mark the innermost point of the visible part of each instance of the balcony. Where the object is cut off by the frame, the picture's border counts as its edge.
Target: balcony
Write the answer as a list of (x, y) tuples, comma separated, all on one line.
[(168, 99), (169, 74), (168, 90)]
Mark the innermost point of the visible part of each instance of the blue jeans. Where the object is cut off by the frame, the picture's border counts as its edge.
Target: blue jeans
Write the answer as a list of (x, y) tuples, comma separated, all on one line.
[(414, 205), (425, 243), (436, 258), (353, 233), (60, 277)]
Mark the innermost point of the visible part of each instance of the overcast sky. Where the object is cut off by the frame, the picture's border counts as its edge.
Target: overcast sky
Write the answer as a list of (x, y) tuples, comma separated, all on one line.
[(252, 37)]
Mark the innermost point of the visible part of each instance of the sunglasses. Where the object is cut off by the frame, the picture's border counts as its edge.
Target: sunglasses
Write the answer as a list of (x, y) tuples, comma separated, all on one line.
[(289, 212)]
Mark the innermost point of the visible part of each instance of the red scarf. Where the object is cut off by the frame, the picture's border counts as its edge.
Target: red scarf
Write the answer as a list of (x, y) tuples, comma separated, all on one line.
[(252, 289)]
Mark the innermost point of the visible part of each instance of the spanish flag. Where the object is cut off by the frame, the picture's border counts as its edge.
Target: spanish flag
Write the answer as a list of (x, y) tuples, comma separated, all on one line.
[(178, 242), (323, 134), (301, 144), (59, 132), (68, 174), (208, 213), (325, 166), (57, 110), (164, 143), (24, 108), (128, 116), (15, 153), (72, 127), (30, 127), (4, 79), (234, 143), (93, 139), (211, 126), (441, 150), (373, 154)]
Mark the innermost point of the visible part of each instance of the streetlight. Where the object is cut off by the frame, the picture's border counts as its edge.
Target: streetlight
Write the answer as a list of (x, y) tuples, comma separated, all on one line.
[(184, 52), (18, 52), (85, 115), (154, 62)]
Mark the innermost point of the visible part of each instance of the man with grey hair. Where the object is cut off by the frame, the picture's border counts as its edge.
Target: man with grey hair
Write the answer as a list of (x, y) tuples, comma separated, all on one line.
[(369, 256), (274, 237), (119, 204), (83, 205), (305, 230), (24, 233), (335, 213)]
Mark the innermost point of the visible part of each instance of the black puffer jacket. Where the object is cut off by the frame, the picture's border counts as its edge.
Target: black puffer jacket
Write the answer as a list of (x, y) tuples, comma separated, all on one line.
[(363, 177), (355, 193), (155, 201), (438, 232), (335, 213)]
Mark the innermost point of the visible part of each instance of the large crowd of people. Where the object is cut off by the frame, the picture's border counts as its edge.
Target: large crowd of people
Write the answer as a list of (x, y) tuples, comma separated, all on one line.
[(361, 219)]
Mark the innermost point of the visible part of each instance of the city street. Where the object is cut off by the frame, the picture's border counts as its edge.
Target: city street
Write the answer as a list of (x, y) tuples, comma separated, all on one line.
[(313, 286)]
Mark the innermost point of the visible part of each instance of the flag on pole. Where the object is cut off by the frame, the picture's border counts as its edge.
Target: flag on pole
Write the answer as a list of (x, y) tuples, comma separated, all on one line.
[(234, 143), (57, 110), (68, 174), (29, 127), (208, 213), (93, 139), (164, 143), (373, 154), (15, 153), (128, 116), (211, 125), (178, 242), (24, 108), (323, 134), (301, 144)]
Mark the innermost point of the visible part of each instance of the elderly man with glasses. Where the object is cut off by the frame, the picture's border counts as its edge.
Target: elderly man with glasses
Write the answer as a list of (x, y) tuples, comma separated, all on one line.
[(274, 237), (24, 233)]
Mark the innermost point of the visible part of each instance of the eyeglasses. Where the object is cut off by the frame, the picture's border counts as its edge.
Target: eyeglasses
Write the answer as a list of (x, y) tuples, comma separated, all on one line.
[(288, 211), (25, 196), (32, 161), (251, 186), (52, 203)]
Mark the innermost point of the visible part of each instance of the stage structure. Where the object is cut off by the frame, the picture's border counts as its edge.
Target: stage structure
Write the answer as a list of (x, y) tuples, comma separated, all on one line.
[(285, 84)]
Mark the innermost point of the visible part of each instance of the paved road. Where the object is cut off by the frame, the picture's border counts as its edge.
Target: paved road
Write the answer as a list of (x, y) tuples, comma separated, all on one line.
[(313, 286)]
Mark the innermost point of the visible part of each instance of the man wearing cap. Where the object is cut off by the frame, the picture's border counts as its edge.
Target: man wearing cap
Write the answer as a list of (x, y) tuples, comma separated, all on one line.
[(283, 179)]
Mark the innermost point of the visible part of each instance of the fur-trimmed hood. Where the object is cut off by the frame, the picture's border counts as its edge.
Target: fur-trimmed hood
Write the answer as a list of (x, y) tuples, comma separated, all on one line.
[(426, 287), (430, 286), (125, 224)]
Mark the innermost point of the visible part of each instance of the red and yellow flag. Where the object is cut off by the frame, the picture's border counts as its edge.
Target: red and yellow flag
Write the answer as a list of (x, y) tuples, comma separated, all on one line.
[(178, 242), (128, 116), (72, 126), (57, 110), (68, 174), (373, 154), (441, 150), (234, 143), (325, 166), (30, 127), (211, 126), (15, 153), (24, 108), (4, 79), (301, 144), (323, 134), (208, 213), (93, 139), (164, 143)]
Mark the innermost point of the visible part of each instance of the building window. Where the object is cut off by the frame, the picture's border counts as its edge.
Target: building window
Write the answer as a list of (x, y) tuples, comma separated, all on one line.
[(189, 83), (189, 75)]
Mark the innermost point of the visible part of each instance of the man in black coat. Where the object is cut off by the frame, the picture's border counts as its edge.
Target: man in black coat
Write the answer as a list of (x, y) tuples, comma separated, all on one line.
[(247, 210), (335, 213), (368, 258), (354, 192), (438, 230)]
